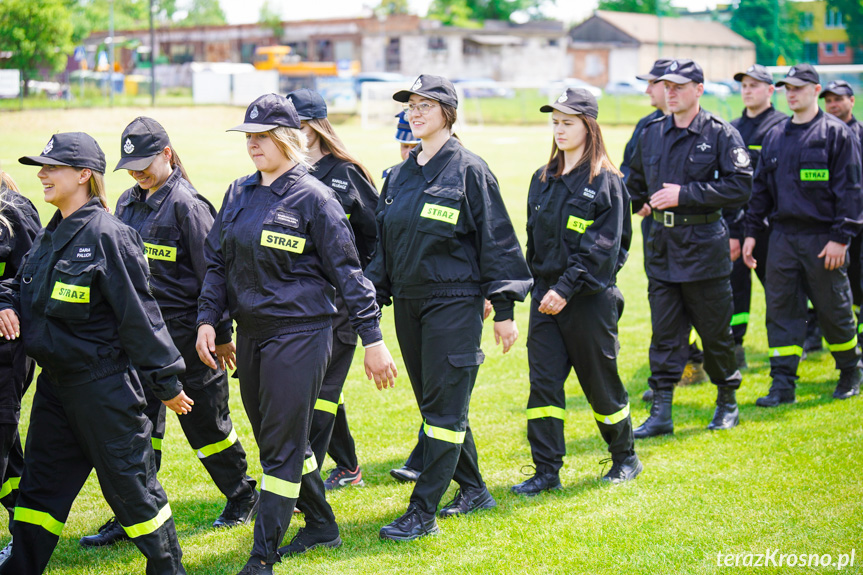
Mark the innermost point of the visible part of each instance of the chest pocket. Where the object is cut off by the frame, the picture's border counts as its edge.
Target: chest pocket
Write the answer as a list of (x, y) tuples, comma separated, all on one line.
[(440, 210), (71, 291), (651, 170), (701, 167), (578, 215), (283, 231), (161, 246), (814, 169)]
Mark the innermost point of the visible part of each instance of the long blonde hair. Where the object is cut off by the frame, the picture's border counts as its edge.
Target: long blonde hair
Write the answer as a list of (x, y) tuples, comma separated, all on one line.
[(594, 154), (292, 143), (7, 188), (97, 188), (332, 144)]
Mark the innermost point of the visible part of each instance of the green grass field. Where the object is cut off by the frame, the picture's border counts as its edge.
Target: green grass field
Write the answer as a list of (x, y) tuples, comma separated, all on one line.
[(787, 479)]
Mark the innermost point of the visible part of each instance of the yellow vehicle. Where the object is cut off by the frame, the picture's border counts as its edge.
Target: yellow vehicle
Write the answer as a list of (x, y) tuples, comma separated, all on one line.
[(281, 59)]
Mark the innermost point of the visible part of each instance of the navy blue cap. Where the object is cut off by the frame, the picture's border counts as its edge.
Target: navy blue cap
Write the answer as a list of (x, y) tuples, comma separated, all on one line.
[(756, 72), (266, 113), (403, 131), (308, 103), (141, 142), (658, 70), (75, 149), (435, 88), (574, 101), (682, 71), (837, 88), (800, 75)]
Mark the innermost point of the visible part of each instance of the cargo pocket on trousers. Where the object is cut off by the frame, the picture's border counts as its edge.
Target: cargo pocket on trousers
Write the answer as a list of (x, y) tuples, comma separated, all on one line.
[(126, 462)]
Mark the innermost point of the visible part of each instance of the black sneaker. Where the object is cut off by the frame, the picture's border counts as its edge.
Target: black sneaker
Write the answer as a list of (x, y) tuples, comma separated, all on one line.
[(537, 484), (412, 525), (254, 567), (6, 553), (776, 397), (344, 477), (405, 474), (468, 501), (623, 468), (307, 538), (239, 511), (849, 383), (109, 534)]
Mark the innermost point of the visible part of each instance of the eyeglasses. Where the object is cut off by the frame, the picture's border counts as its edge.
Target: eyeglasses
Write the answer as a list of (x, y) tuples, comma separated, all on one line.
[(423, 108)]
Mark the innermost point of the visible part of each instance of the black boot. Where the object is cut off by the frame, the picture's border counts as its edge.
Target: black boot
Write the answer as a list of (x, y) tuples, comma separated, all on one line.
[(648, 396), (624, 467), (849, 383), (659, 422), (109, 534), (726, 415), (776, 397)]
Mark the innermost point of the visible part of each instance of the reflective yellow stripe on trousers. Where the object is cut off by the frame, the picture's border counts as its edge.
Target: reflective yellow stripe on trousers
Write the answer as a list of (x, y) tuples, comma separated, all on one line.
[(157, 443), (9, 486), (40, 518), (326, 406), (546, 411), (284, 488), (443, 434), (310, 464), (614, 417), (217, 447), (842, 346), (785, 350), (149, 526)]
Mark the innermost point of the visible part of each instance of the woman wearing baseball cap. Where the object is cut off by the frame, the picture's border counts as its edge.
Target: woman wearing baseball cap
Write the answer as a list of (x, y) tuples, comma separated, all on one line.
[(578, 234), (278, 251), (87, 316), (173, 220), (445, 244)]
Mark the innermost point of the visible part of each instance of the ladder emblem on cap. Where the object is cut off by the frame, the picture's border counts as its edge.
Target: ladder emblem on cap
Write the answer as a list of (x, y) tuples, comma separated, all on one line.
[(254, 113), (562, 98), (673, 66), (128, 147), (48, 147), (417, 85)]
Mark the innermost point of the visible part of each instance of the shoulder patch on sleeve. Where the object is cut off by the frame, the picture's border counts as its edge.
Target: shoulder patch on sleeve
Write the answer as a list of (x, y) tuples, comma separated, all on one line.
[(740, 157)]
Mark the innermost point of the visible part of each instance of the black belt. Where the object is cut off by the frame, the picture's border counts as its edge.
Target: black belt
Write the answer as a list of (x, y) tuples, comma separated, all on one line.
[(670, 219)]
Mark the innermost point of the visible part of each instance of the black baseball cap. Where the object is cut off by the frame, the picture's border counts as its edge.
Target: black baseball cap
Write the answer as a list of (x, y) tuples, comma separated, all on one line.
[(266, 113), (658, 70), (435, 88), (308, 103), (75, 149), (756, 72), (141, 142), (837, 88), (682, 71), (574, 101), (800, 75)]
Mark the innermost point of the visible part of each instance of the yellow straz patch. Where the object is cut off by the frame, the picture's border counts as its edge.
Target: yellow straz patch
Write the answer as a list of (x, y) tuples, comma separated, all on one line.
[(815, 175), (577, 224), (157, 252), (440, 213), (73, 294), (283, 242)]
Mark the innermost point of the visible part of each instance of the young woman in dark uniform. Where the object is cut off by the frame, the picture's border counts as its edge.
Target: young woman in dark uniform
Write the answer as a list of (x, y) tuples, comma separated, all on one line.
[(578, 234), (173, 220), (333, 165), (87, 316), (445, 243), (278, 251)]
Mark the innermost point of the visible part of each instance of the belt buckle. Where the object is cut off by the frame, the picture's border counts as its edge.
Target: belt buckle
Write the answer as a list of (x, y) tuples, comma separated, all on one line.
[(668, 219)]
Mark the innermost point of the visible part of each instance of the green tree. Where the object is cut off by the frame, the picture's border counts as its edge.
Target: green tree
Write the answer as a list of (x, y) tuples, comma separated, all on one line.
[(852, 16), (204, 13), (639, 6), (462, 12), (772, 26), (271, 17), (38, 33), (392, 7)]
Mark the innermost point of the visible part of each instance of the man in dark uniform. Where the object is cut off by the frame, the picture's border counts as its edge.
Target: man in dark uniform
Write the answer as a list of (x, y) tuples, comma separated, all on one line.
[(808, 185), (688, 166), (759, 116), (839, 99)]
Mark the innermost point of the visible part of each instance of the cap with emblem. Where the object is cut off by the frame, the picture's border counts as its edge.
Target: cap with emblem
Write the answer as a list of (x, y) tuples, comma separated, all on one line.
[(267, 113), (574, 101), (837, 88), (75, 149), (141, 142), (756, 72), (435, 88), (682, 71), (658, 70), (308, 103), (403, 131), (800, 75)]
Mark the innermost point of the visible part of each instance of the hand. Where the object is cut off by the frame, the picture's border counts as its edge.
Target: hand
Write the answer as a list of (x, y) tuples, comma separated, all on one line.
[(667, 197), (227, 355), (10, 327), (182, 404), (379, 365), (507, 332), (748, 246), (487, 310), (206, 345), (551, 303), (644, 211), (734, 246), (834, 255)]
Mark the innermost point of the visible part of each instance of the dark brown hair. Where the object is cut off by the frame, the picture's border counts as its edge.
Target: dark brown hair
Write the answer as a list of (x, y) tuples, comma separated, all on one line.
[(176, 163), (332, 144), (594, 153)]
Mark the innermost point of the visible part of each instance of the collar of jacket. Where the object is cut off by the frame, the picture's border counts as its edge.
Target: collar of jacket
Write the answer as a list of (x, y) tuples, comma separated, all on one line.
[(64, 229), (760, 117), (324, 166), (154, 201), (281, 184), (695, 126), (439, 161), (790, 126)]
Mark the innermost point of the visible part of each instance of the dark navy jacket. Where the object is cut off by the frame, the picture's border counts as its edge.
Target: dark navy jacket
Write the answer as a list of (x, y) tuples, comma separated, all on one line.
[(629, 150), (808, 180), (85, 306), (578, 233), (443, 230), (710, 163), (276, 252), (24, 218)]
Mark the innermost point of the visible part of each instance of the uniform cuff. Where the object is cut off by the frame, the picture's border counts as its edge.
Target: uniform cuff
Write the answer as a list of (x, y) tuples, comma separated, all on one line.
[(168, 390), (224, 333), (840, 238), (371, 336), (503, 310)]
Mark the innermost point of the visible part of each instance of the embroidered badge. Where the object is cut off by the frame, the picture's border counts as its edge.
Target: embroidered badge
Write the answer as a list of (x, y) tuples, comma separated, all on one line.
[(792, 71), (703, 146), (588, 193), (417, 85), (740, 157), (289, 219), (673, 66), (128, 147), (84, 253), (562, 98), (338, 184), (254, 113), (48, 147)]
